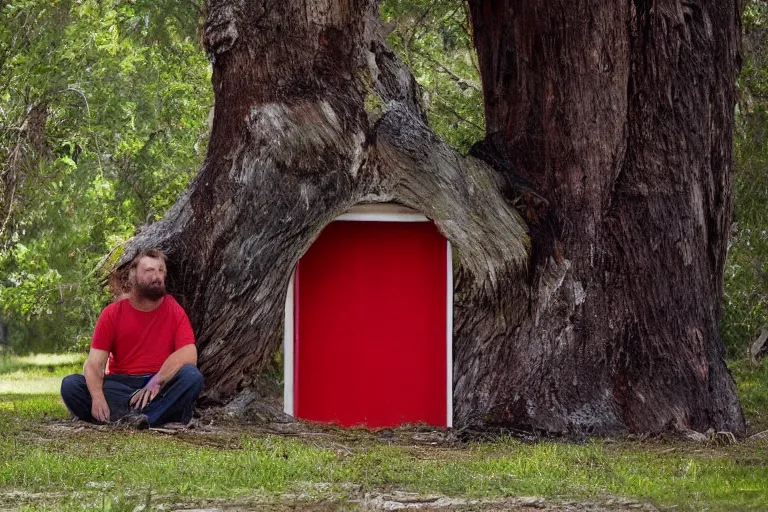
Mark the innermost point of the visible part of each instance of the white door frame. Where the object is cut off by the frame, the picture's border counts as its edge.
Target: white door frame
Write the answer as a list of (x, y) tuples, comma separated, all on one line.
[(372, 213)]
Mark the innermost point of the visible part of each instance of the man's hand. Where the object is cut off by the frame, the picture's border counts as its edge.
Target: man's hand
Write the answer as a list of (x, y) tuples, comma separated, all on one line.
[(93, 370), (143, 396), (100, 409)]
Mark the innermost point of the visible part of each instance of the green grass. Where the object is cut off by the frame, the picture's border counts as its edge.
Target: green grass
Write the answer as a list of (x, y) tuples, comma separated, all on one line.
[(117, 470), (37, 374), (752, 385), (57, 365)]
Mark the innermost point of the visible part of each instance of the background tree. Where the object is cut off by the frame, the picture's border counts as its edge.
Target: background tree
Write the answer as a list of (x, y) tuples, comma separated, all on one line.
[(746, 279), (103, 119)]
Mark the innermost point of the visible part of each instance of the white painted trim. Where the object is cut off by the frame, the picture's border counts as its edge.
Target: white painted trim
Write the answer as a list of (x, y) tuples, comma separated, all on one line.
[(449, 336), (383, 217), (288, 342)]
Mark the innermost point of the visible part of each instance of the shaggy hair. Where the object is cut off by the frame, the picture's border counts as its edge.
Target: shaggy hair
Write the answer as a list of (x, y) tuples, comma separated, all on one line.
[(119, 282)]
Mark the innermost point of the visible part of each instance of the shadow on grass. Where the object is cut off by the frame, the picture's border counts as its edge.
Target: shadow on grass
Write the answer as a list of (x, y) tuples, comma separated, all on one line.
[(36, 374), (42, 364)]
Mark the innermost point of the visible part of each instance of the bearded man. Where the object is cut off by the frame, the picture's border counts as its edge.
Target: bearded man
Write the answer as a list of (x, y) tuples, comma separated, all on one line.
[(141, 369)]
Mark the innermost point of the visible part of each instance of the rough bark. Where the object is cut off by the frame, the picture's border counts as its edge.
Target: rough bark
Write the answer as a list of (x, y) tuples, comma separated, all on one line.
[(619, 114), (609, 128), (313, 115)]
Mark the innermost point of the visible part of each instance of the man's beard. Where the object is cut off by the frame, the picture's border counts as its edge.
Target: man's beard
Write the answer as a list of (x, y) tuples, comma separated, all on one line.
[(151, 291)]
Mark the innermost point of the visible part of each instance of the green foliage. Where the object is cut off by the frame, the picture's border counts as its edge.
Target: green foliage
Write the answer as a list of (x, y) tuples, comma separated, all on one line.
[(103, 120), (745, 310), (434, 38)]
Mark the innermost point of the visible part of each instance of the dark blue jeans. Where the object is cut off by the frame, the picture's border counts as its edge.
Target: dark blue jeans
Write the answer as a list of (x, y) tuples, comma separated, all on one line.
[(174, 403)]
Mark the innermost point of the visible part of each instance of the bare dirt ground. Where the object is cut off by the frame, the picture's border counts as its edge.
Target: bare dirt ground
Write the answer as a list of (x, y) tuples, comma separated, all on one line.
[(405, 501), (391, 501)]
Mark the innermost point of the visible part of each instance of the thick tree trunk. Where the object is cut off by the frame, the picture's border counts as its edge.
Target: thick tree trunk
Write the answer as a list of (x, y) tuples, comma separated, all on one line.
[(609, 325), (313, 115), (619, 114)]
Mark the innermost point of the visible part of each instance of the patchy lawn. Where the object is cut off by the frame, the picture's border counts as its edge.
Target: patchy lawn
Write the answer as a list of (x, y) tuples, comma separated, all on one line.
[(50, 463)]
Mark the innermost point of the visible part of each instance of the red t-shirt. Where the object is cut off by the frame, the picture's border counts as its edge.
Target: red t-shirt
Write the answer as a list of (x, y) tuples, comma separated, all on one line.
[(138, 341)]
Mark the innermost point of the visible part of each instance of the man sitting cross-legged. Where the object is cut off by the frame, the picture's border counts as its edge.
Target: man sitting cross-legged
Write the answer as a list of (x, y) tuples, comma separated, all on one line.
[(147, 339)]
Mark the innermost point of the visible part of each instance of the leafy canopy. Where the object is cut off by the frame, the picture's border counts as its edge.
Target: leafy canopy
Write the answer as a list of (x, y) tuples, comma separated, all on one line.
[(103, 119), (745, 310)]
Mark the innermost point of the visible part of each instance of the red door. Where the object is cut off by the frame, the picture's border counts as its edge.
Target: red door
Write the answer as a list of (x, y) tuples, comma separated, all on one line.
[(371, 318)]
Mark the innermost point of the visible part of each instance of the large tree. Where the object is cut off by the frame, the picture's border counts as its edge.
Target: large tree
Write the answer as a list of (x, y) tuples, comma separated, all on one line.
[(591, 223)]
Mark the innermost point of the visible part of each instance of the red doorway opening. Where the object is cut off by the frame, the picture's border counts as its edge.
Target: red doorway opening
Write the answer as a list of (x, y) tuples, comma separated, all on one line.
[(368, 325)]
